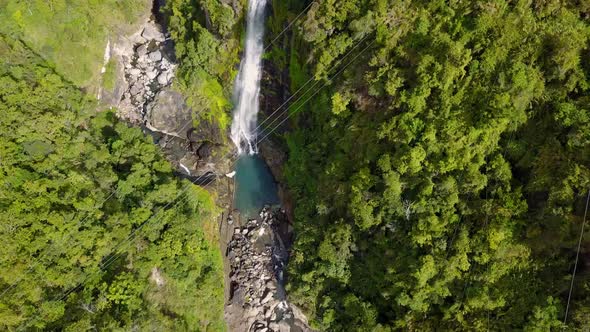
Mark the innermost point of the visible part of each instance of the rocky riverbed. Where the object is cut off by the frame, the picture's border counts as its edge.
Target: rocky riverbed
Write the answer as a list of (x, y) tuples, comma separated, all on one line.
[(257, 256), (144, 67)]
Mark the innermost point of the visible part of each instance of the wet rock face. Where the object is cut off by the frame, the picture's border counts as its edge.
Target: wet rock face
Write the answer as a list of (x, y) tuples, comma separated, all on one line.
[(275, 90), (258, 258), (205, 150)]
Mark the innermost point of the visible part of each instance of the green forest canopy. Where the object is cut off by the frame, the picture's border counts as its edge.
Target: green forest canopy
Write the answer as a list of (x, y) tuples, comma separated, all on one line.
[(461, 211), (207, 53), (95, 183), (441, 181), (74, 186)]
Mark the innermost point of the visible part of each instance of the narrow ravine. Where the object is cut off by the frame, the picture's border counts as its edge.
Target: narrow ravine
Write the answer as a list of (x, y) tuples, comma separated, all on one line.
[(257, 235), (255, 232)]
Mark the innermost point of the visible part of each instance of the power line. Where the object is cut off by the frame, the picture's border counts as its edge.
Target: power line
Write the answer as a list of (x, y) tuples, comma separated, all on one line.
[(288, 116), (46, 251), (110, 260), (312, 78), (288, 26), (298, 108), (130, 238), (569, 297)]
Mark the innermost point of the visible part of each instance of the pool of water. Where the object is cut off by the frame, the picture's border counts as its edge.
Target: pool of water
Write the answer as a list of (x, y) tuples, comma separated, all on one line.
[(255, 186)]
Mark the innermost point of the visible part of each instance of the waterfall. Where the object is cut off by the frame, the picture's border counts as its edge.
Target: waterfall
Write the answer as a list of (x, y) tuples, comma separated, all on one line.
[(247, 85)]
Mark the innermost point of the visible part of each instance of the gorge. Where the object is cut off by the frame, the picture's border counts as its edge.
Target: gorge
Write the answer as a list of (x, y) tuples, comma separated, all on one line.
[(294, 165), (258, 251)]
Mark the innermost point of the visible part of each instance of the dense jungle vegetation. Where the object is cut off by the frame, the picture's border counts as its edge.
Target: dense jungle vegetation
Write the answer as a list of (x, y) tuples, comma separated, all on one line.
[(75, 185), (441, 178), (207, 37), (97, 233)]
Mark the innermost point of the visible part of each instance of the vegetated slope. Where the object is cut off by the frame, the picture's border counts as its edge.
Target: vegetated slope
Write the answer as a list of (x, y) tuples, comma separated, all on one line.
[(76, 188), (207, 41), (71, 35), (441, 179)]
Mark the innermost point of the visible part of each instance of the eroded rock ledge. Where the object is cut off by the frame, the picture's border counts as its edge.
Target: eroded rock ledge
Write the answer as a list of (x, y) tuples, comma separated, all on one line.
[(258, 256), (143, 96)]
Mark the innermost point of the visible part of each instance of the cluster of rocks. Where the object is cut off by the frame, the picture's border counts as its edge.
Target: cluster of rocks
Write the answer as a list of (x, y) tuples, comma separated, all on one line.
[(148, 70), (257, 258)]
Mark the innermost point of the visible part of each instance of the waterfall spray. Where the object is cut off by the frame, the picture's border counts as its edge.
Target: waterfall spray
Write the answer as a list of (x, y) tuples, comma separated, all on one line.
[(247, 86)]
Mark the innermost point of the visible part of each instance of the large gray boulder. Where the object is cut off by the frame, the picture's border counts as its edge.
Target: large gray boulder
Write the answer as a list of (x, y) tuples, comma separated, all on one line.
[(155, 56), (169, 114), (151, 32)]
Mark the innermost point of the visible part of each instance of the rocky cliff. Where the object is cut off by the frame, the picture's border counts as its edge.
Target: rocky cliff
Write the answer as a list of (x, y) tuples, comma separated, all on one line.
[(144, 96)]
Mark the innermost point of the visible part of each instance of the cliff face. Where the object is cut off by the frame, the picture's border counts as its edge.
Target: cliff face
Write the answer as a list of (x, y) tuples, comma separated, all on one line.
[(144, 95)]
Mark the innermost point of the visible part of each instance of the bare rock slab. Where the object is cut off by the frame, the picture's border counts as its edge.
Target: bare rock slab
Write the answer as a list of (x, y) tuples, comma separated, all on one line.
[(169, 114)]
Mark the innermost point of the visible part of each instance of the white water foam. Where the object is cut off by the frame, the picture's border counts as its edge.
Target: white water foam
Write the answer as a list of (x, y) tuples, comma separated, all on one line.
[(247, 85)]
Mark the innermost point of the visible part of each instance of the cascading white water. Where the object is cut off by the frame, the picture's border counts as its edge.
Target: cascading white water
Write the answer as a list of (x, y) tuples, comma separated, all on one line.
[(247, 86)]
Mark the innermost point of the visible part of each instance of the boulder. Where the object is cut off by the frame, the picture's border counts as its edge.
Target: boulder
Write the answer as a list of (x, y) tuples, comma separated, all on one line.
[(284, 326), (142, 62), (151, 32), (134, 73), (155, 56), (268, 295), (142, 50), (166, 65), (169, 114), (163, 79), (151, 74), (136, 89)]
